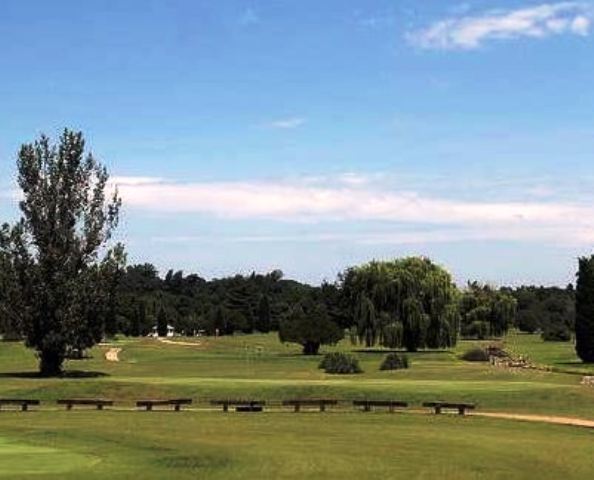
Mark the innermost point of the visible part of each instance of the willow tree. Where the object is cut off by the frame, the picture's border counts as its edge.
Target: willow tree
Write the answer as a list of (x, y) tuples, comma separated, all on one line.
[(408, 302), (486, 311), (59, 254)]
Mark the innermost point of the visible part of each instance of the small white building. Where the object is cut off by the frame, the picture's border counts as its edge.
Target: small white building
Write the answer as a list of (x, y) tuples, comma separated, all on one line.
[(170, 332)]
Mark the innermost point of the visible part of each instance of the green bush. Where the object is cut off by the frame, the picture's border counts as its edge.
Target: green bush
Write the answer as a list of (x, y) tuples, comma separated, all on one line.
[(556, 333), (393, 361), (475, 355), (340, 363)]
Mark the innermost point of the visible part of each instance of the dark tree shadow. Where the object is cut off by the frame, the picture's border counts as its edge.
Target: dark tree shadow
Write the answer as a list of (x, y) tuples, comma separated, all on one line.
[(576, 363), (375, 351), (68, 374)]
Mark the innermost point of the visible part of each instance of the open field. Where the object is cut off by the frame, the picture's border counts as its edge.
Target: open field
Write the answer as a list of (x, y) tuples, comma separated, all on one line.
[(345, 444), (289, 446)]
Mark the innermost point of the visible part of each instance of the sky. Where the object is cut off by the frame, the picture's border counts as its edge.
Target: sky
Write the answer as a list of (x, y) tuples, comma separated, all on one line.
[(314, 135)]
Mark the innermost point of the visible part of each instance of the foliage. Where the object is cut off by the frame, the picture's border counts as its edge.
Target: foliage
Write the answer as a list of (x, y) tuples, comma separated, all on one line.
[(408, 302), (556, 333), (264, 315), (584, 306), (59, 292), (486, 311), (394, 361), (309, 325), (162, 323), (234, 304), (476, 354), (544, 308), (340, 363)]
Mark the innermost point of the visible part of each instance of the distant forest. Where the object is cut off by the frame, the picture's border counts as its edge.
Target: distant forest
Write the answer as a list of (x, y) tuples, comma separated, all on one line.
[(258, 303)]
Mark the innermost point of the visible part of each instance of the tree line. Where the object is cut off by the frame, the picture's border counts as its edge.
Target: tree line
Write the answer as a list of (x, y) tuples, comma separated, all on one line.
[(64, 285)]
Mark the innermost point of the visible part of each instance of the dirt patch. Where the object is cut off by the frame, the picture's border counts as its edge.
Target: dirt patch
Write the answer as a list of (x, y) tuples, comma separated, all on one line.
[(576, 422), (187, 344), (112, 355)]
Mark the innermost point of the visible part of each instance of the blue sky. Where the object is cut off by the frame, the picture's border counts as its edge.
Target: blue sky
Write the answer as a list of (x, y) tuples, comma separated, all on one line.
[(309, 136)]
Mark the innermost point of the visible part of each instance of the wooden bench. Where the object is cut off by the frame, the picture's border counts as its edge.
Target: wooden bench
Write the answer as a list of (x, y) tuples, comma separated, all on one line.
[(240, 405), (298, 403), (24, 404), (99, 403), (439, 406), (367, 405), (176, 403)]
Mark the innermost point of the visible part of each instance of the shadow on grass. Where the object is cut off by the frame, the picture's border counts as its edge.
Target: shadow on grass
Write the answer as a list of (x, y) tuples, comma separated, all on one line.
[(68, 374), (576, 363), (385, 351)]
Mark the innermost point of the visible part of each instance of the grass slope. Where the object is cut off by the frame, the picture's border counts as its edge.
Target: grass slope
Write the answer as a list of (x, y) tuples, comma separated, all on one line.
[(212, 445)]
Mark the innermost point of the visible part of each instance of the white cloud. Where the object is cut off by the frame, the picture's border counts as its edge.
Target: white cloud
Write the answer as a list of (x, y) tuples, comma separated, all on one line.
[(339, 201), (287, 123), (470, 32), (123, 180)]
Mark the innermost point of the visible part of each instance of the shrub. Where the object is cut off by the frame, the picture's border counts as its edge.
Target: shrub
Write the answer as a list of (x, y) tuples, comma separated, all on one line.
[(393, 361), (475, 355), (556, 333), (340, 363)]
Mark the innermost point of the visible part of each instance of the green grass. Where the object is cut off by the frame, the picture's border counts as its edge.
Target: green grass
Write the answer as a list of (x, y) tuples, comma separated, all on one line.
[(288, 446), (346, 444), (560, 356)]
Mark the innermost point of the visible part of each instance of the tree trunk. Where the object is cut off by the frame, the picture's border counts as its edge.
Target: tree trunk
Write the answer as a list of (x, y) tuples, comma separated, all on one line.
[(311, 348), (50, 364)]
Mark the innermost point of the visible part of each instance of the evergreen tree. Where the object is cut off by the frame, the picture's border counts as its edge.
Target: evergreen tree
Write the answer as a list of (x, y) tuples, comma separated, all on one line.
[(264, 315), (584, 310), (309, 325), (162, 323), (139, 320), (243, 299)]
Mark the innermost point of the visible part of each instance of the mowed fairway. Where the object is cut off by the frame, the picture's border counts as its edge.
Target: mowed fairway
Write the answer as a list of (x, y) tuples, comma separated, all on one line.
[(343, 443)]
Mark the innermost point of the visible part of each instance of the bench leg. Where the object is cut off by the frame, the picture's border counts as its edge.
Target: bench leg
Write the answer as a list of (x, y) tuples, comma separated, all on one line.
[(69, 406), (461, 411), (322, 407), (437, 410), (24, 407), (177, 407), (99, 407), (149, 408), (297, 408), (225, 408)]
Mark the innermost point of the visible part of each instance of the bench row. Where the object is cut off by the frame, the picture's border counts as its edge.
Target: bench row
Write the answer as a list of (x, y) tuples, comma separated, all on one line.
[(246, 405)]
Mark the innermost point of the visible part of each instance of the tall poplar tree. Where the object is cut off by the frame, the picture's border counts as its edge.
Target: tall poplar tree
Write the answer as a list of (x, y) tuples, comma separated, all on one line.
[(59, 255)]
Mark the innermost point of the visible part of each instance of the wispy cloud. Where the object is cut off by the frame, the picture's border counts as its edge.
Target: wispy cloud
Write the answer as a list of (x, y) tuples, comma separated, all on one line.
[(361, 201), (471, 32), (287, 123), (375, 21), (249, 17), (123, 180)]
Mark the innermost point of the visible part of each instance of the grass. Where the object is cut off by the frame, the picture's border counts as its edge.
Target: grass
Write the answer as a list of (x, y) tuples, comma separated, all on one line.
[(347, 444), (560, 356), (289, 446)]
